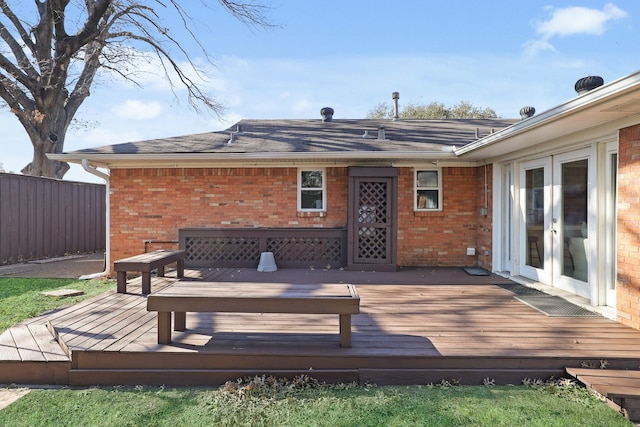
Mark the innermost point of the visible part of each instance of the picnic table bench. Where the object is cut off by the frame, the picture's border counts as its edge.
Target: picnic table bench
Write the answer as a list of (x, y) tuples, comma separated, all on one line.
[(195, 296), (145, 264)]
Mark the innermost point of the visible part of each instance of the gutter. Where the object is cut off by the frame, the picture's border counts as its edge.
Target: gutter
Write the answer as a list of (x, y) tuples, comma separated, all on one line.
[(107, 256), (194, 159)]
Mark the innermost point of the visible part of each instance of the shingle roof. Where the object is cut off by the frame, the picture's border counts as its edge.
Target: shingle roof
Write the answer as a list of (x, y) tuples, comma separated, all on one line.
[(316, 136)]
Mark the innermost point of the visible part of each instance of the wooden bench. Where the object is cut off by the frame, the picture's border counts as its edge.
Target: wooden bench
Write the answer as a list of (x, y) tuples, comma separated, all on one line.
[(195, 296), (145, 264)]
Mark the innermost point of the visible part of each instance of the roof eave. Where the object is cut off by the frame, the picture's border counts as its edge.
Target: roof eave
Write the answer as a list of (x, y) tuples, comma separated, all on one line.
[(194, 159)]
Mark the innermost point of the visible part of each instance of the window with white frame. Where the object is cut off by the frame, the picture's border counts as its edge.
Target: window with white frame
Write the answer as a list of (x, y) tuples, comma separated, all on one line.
[(428, 190), (311, 190)]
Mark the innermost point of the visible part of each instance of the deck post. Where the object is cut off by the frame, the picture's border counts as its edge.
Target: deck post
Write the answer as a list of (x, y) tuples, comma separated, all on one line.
[(345, 330), (164, 327), (180, 268), (180, 320), (121, 284), (146, 282)]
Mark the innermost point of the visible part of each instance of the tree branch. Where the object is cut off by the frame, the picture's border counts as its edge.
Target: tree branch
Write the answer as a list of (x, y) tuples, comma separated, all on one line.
[(26, 68), (24, 35), (13, 95)]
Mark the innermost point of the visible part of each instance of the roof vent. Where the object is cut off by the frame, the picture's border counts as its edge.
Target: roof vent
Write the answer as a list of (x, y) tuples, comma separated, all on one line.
[(327, 114), (395, 96), (526, 112), (588, 83), (366, 135), (381, 135)]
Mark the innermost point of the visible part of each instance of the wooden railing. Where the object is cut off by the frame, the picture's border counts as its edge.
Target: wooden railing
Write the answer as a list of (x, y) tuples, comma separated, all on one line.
[(291, 247)]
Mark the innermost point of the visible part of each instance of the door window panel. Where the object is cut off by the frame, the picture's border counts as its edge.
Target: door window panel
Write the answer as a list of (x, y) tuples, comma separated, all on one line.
[(535, 217), (575, 239)]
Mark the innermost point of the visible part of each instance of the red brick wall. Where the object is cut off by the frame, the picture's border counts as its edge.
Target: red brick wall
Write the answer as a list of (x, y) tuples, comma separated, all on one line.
[(628, 246), (153, 204), (439, 238)]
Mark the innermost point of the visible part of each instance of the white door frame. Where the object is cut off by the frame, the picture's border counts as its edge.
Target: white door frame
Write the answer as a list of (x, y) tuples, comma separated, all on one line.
[(507, 226), (607, 252), (539, 205), (559, 279), (551, 244)]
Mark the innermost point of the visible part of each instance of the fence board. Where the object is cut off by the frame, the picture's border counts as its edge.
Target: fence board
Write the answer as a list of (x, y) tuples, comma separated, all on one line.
[(44, 218)]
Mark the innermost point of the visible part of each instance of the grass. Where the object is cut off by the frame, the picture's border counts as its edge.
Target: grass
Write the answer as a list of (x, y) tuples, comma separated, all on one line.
[(344, 405), (21, 298)]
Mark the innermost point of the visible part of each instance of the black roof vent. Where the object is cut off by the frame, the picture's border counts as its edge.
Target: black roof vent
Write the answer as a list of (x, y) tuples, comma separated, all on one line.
[(526, 112), (588, 83), (327, 114)]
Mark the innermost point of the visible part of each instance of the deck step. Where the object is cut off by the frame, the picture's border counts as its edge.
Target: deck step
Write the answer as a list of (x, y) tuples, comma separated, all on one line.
[(621, 387), (31, 343), (30, 354)]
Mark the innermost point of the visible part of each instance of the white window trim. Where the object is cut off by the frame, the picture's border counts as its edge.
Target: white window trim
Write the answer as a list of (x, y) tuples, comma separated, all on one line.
[(416, 188), (324, 189)]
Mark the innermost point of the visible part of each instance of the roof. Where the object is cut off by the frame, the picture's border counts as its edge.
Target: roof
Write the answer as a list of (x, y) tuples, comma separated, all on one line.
[(596, 114), (302, 139)]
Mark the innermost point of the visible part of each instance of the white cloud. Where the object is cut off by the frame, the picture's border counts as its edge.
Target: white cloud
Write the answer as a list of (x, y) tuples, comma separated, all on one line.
[(570, 21), (579, 20), (533, 48), (134, 109)]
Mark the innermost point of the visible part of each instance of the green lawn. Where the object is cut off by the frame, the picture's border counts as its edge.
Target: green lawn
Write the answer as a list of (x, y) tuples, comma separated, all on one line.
[(21, 299), (543, 406)]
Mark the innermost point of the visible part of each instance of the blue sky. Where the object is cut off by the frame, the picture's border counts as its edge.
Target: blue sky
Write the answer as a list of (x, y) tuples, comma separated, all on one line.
[(351, 55)]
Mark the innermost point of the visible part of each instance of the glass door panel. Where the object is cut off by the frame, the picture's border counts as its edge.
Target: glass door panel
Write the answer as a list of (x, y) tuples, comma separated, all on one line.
[(574, 232), (534, 200), (535, 218), (570, 223)]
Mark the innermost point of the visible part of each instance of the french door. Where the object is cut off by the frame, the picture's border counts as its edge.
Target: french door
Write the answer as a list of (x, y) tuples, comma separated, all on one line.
[(555, 221)]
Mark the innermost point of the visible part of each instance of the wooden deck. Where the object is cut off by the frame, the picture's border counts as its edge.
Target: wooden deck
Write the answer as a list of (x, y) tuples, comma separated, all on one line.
[(419, 326)]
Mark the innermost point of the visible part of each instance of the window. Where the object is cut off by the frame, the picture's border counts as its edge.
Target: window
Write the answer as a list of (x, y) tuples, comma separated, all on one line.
[(311, 190), (428, 190)]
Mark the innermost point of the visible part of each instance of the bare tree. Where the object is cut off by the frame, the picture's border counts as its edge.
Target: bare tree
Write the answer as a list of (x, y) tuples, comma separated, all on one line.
[(52, 50)]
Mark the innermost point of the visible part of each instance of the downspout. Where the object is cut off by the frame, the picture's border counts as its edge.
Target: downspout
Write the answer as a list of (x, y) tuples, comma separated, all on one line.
[(107, 258)]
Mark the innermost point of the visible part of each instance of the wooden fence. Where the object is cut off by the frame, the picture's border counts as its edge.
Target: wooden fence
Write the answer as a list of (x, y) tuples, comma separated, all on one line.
[(44, 218)]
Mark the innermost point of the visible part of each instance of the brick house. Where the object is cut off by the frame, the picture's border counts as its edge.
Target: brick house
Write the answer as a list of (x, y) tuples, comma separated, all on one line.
[(550, 198)]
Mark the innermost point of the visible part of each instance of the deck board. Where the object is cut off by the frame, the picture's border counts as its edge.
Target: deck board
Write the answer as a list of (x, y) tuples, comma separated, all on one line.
[(8, 347), (454, 320), (417, 319), (49, 347), (27, 344)]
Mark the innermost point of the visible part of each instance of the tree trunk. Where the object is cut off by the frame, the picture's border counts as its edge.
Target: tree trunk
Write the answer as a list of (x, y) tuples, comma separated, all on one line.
[(47, 136), (42, 166)]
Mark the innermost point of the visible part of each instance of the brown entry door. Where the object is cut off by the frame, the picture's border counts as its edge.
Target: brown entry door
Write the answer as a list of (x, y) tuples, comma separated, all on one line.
[(372, 219)]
